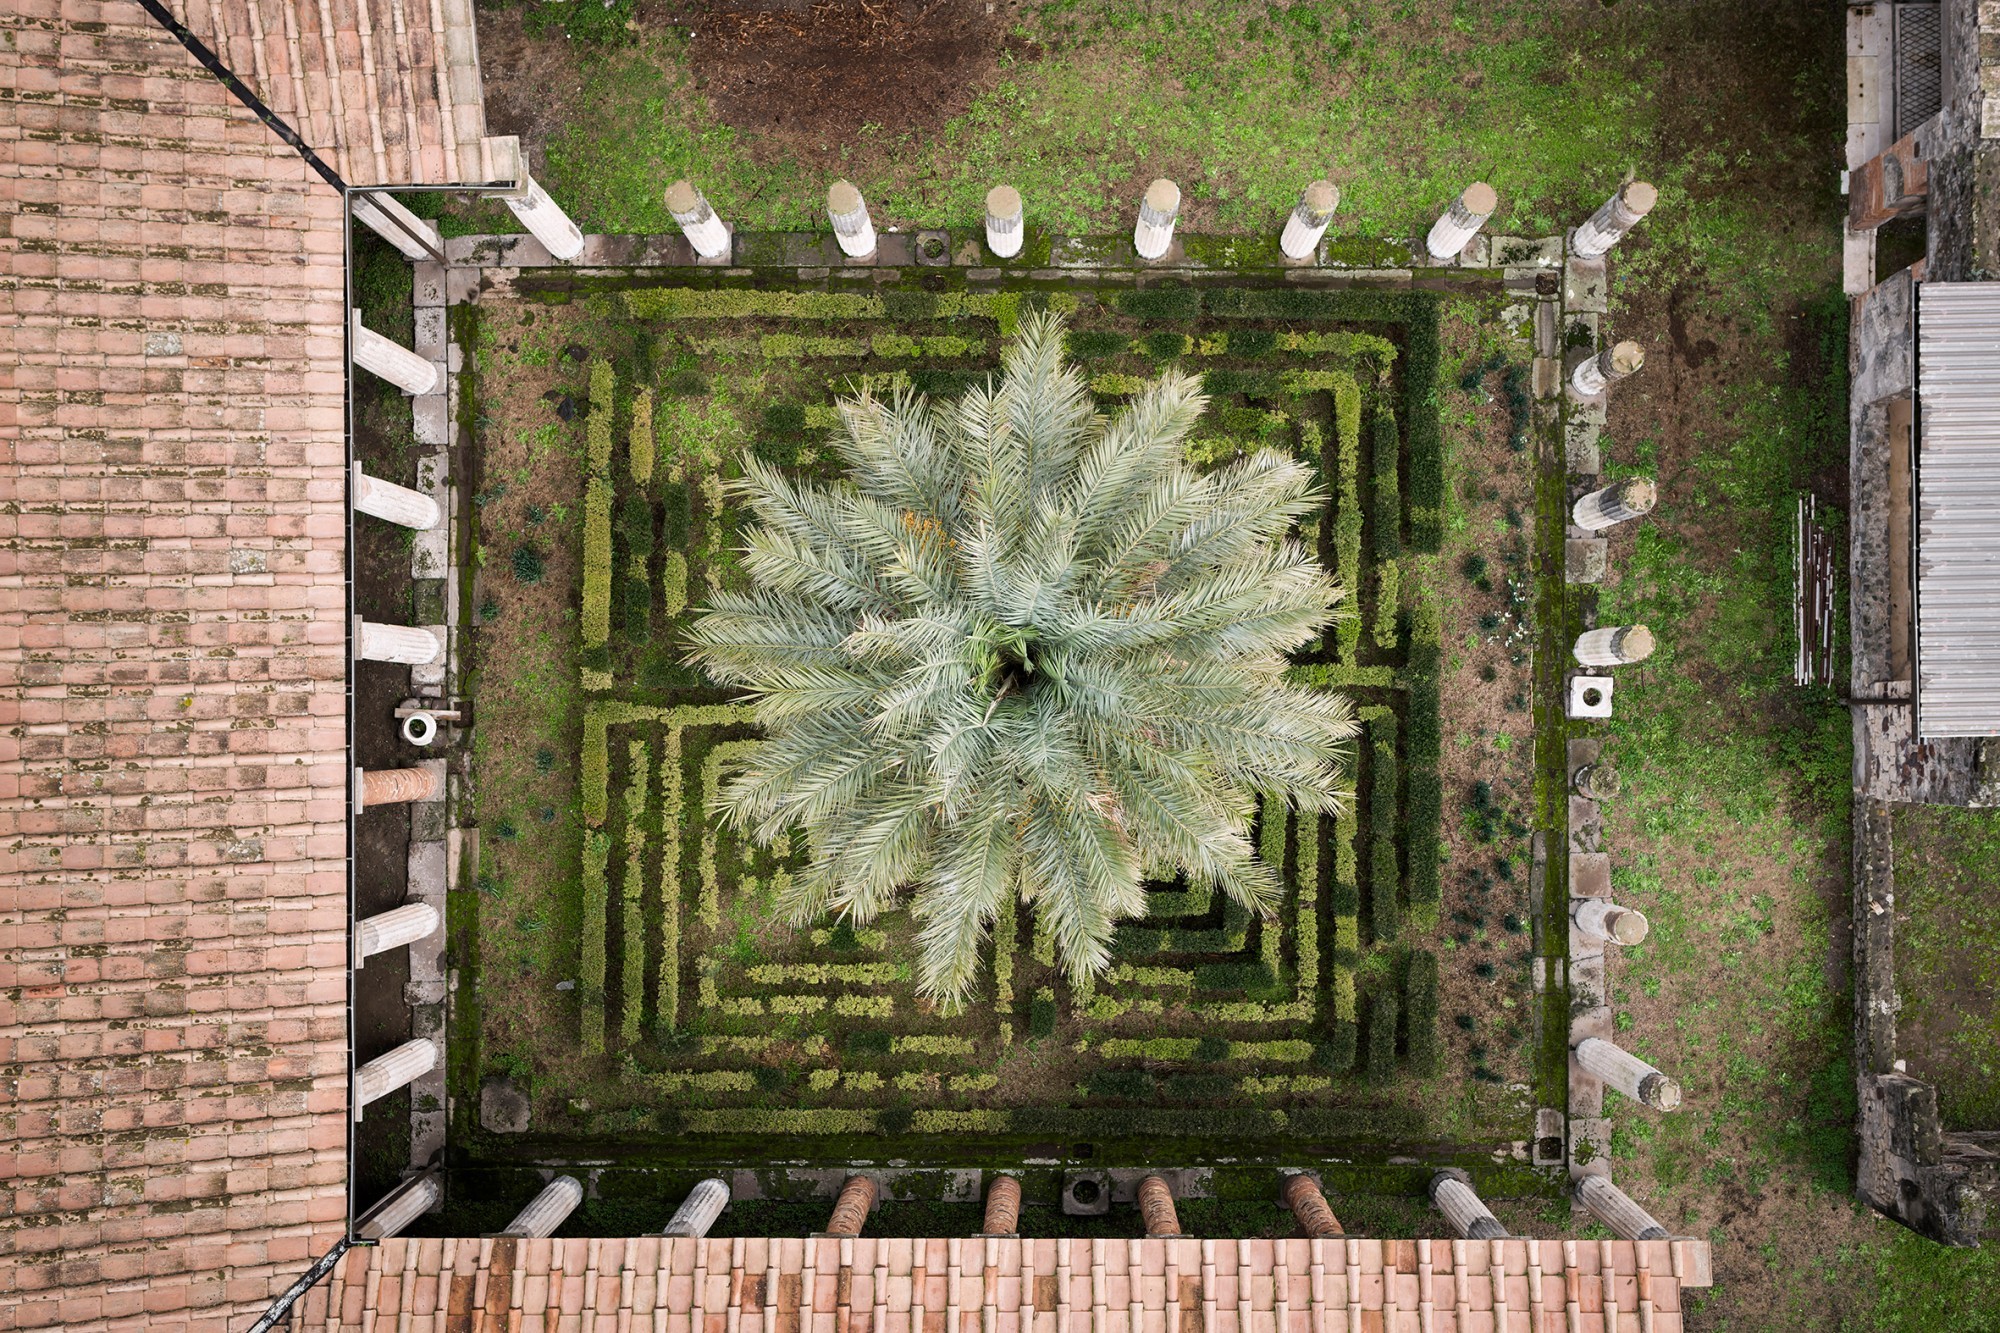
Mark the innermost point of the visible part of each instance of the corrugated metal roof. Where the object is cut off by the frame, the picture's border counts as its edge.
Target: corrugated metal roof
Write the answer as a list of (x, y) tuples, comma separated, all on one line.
[(1958, 509)]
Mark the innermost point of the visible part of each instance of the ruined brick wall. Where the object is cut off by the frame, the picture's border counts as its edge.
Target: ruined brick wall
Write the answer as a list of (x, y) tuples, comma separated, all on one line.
[(171, 674)]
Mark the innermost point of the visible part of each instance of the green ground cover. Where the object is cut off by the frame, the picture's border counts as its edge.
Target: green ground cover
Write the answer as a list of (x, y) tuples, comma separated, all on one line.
[(691, 1012), (1948, 957)]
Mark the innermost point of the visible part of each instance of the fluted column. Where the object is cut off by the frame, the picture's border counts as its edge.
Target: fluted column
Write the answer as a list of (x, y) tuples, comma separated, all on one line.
[(410, 645), (410, 234), (386, 1073), (543, 217), (1615, 645), (547, 1210), (392, 503), (850, 1210), (411, 1202), (393, 929), (851, 226), (396, 786), (1003, 1207), (393, 362), (699, 1210), (1600, 372), (697, 221), (1461, 222), (1619, 502), (1302, 1195), (1608, 225), (1617, 1211), (1006, 221), (1598, 782), (1158, 209), (1452, 1192), (1627, 1073), (1308, 221), (1602, 919), (1156, 1207)]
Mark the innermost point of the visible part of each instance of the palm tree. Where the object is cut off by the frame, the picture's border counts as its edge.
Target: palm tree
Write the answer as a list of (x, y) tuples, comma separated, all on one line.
[(1027, 650)]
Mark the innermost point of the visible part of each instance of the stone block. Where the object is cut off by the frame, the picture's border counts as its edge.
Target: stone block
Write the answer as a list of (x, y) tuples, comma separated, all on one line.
[(1585, 559), (1590, 875), (1478, 252), (504, 1107), (1581, 750), (429, 678), (461, 285), (429, 287), (1590, 1145), (1582, 427), (430, 332), (1545, 377), (1512, 252), (1586, 827), (1588, 696), (1586, 287), (431, 418)]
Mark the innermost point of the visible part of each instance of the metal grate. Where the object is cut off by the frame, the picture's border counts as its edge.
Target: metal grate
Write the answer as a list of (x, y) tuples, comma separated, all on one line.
[(1919, 66)]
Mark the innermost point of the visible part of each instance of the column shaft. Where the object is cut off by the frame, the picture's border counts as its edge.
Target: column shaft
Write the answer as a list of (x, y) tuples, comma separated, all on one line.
[(411, 1202), (850, 1210), (1452, 1192), (1609, 366), (1627, 1073), (386, 1073), (1617, 1211), (1309, 1206), (1616, 645), (699, 1210), (547, 1210), (1006, 221), (1154, 231), (1618, 503), (562, 238), (382, 214), (1619, 214), (1308, 221), (410, 645), (392, 503), (393, 929), (396, 786), (698, 222), (394, 363), (1602, 919), (1003, 1207), (1598, 782), (848, 213), (1453, 231), (1156, 1206)]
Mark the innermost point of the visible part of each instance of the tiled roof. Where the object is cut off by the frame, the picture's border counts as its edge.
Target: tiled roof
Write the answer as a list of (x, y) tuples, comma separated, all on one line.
[(172, 885), (976, 1285)]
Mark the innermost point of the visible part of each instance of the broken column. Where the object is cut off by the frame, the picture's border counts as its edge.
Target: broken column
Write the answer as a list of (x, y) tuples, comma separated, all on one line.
[(850, 1210), (1003, 1207), (697, 221), (396, 786), (530, 202), (849, 214), (1452, 1192), (398, 1068), (1461, 222), (1627, 1073), (393, 362), (392, 503), (393, 929), (1602, 919), (410, 234), (1302, 1195), (1617, 503), (1154, 231), (1617, 645), (410, 1202), (1620, 213), (1598, 782), (1156, 1207), (1600, 372), (410, 645), (547, 1210), (1006, 221), (699, 1210), (1308, 221), (1616, 1210)]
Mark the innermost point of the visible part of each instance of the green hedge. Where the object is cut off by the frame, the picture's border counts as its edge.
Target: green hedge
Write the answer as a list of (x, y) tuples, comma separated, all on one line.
[(1336, 1054), (1174, 301), (1347, 516), (1388, 497), (596, 901), (1381, 1066), (1421, 403), (1420, 1008), (1384, 881), (1422, 748)]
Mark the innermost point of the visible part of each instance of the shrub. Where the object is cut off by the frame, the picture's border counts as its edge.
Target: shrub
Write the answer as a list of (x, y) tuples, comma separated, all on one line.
[(1426, 435), (869, 1042), (1042, 1013), (673, 583), (1199, 1087), (643, 450), (597, 428), (1211, 1049), (785, 419), (677, 515), (596, 561), (1336, 1054), (1130, 1084), (1387, 592), (1388, 494), (635, 524), (1166, 344), (528, 564), (1381, 1066), (1420, 1005), (1251, 342), (1173, 301), (1233, 977), (636, 594), (777, 450), (742, 303), (1093, 344)]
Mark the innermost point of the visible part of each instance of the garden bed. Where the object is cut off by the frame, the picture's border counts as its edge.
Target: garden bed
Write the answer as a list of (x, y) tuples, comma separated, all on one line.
[(625, 965)]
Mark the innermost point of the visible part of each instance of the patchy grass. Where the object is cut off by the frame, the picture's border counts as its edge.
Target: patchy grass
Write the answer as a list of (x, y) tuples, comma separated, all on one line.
[(1948, 958)]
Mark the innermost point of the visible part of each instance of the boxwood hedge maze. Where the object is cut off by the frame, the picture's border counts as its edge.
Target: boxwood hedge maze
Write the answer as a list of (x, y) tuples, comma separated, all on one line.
[(629, 966)]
